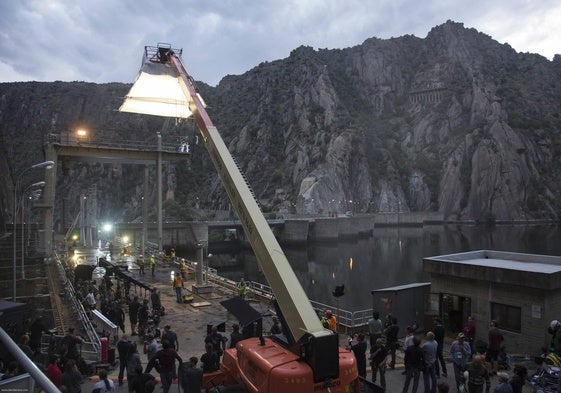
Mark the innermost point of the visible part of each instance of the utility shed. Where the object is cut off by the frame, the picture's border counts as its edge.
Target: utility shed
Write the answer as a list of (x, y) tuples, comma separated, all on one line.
[(521, 292), (405, 302)]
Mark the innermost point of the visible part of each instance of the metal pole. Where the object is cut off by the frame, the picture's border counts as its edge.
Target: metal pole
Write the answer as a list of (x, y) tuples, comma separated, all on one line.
[(159, 176), (22, 236), (200, 267), (14, 220), (27, 364), (82, 220), (145, 212), (48, 200), (22, 205)]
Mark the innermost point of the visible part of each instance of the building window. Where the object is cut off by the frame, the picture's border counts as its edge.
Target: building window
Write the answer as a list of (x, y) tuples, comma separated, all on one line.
[(507, 317)]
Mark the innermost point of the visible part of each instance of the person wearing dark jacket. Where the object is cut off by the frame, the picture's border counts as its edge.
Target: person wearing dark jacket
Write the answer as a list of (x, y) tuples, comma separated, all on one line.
[(118, 316), (163, 361), (210, 360), (37, 329), (235, 336), (133, 314), (518, 378), (124, 347), (378, 355), (438, 331), (217, 341), (71, 378), (191, 377), (391, 340), (140, 382), (413, 363), (359, 349)]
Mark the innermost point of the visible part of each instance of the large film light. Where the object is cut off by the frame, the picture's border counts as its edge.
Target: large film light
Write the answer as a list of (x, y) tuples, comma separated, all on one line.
[(156, 91)]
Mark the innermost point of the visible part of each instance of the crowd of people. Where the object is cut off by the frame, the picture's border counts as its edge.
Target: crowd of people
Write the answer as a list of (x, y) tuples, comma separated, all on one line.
[(423, 353), (423, 356), (159, 349)]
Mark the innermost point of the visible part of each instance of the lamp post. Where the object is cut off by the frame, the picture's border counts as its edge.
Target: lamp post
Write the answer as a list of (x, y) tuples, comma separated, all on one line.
[(14, 219), (38, 184)]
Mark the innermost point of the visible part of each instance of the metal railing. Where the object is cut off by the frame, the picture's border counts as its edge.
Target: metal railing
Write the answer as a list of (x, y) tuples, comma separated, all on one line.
[(24, 382), (92, 344), (348, 321), (111, 141)]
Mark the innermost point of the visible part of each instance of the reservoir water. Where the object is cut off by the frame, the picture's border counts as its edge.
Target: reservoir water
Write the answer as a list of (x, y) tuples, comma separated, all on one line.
[(391, 256)]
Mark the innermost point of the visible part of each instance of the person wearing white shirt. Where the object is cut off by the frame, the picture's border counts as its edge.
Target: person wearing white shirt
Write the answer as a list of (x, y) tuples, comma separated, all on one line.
[(105, 385)]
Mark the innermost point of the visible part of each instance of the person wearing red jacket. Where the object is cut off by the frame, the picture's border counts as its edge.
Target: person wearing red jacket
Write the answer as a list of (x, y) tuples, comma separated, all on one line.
[(54, 372)]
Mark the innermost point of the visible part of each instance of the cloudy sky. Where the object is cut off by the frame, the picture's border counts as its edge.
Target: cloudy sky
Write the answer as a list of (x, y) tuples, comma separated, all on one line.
[(103, 40)]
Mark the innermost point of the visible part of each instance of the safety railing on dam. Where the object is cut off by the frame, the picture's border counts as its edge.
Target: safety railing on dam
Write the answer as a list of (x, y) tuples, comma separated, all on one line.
[(349, 322), (113, 141)]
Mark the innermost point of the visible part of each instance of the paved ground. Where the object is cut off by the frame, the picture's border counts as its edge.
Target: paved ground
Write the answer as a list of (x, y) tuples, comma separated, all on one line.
[(190, 324)]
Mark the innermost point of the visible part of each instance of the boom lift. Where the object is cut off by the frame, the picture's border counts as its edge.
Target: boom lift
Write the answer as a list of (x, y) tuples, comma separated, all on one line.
[(311, 359)]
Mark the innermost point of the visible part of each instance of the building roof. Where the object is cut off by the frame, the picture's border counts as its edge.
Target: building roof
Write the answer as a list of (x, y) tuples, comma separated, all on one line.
[(529, 270)]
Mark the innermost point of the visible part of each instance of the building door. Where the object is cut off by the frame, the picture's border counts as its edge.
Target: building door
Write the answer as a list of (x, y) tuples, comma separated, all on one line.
[(454, 311)]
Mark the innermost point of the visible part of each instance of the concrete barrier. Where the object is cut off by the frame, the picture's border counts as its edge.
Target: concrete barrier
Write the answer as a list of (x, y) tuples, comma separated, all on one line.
[(295, 232)]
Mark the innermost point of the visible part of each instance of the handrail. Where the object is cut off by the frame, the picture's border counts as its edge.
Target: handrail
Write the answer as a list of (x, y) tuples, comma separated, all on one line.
[(345, 318), (27, 364), (110, 142), (92, 337)]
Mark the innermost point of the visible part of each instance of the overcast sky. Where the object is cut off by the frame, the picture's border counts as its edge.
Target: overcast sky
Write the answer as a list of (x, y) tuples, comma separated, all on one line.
[(103, 40)]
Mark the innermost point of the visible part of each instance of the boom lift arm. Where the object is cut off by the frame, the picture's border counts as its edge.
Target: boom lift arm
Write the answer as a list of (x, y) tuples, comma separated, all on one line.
[(308, 338)]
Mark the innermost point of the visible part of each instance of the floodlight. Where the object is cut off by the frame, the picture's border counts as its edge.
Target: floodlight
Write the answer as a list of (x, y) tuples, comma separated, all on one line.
[(157, 89)]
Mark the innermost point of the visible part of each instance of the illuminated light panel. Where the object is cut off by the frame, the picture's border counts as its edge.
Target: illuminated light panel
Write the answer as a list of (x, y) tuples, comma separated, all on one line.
[(157, 91)]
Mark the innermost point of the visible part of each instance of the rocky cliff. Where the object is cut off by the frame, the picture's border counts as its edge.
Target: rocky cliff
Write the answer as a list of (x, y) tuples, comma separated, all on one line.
[(455, 123)]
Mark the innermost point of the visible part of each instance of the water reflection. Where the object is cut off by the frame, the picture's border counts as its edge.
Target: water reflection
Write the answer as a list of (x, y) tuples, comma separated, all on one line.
[(392, 256)]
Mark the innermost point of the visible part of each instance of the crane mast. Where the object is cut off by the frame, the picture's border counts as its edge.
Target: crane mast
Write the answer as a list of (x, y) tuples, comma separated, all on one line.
[(307, 338), (296, 308)]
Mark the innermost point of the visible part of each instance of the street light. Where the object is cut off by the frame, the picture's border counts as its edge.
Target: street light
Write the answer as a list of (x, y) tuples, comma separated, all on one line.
[(34, 185), (16, 184), (81, 135)]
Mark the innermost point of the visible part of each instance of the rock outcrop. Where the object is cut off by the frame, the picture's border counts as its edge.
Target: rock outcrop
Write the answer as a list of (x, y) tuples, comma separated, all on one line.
[(455, 123)]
